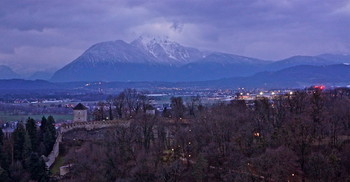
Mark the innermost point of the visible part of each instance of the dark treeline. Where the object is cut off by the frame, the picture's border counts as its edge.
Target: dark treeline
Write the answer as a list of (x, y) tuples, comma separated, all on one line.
[(298, 137), (127, 104), (130, 103), (21, 155)]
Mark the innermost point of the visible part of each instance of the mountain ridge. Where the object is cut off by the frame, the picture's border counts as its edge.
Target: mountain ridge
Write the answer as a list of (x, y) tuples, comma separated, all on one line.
[(301, 76), (157, 59)]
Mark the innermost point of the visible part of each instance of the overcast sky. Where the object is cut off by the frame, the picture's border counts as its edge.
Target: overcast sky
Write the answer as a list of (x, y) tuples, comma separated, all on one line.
[(46, 34)]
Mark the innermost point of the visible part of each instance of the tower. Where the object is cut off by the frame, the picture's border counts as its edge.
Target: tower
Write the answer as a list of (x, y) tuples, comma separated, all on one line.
[(80, 113)]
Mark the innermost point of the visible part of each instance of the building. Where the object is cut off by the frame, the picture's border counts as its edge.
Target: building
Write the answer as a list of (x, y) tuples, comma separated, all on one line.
[(80, 113)]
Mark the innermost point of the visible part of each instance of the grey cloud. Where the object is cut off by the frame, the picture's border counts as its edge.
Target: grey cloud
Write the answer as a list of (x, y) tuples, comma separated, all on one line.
[(269, 29)]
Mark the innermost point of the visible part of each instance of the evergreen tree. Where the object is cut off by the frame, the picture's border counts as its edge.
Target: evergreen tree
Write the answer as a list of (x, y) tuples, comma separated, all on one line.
[(43, 127), (51, 126), (42, 149), (18, 141), (47, 134), (27, 150), (17, 173), (37, 168), (50, 134), (33, 134), (4, 163), (47, 141)]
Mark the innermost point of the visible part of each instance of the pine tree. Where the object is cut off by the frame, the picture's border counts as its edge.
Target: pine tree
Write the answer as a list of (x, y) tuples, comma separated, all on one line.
[(33, 134), (27, 150), (18, 141), (51, 126), (47, 141), (43, 127), (50, 134), (4, 163), (47, 134), (37, 168)]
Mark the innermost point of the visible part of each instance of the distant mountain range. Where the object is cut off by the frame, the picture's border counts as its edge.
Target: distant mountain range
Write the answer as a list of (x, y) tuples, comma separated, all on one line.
[(294, 77), (152, 59), (157, 59), (7, 73)]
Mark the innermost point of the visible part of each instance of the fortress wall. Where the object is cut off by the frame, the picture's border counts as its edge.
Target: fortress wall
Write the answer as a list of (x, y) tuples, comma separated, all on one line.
[(79, 125)]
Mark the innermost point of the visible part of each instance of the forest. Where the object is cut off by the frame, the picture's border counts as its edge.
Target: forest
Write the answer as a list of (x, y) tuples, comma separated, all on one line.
[(299, 136), (302, 136), (22, 155)]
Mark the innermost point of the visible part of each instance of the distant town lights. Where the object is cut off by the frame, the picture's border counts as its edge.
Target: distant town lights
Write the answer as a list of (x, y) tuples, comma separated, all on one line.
[(261, 93)]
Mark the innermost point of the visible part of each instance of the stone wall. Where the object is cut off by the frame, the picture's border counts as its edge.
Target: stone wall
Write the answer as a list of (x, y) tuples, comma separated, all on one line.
[(79, 115), (79, 125)]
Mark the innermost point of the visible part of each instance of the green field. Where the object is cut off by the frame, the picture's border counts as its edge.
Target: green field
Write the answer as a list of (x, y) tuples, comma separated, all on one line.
[(6, 117)]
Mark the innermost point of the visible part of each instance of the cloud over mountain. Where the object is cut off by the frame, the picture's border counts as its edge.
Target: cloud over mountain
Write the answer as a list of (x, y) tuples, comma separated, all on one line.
[(49, 34)]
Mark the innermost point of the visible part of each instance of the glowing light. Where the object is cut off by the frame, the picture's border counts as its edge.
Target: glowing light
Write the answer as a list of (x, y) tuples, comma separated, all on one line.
[(321, 87), (291, 93), (273, 93), (293, 174), (261, 93), (241, 93), (256, 134)]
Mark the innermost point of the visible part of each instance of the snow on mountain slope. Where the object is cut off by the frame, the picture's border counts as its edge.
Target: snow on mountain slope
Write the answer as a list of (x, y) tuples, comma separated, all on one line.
[(153, 59), (113, 52), (167, 51)]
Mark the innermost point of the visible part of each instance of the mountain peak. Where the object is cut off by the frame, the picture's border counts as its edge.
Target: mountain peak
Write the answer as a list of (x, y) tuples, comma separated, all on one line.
[(166, 50), (148, 39)]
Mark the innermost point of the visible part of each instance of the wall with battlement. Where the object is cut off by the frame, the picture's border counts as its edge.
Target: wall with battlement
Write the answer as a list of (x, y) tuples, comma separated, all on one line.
[(79, 125)]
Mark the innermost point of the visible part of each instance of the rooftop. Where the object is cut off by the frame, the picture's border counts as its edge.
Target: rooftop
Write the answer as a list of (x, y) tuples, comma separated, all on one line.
[(80, 106)]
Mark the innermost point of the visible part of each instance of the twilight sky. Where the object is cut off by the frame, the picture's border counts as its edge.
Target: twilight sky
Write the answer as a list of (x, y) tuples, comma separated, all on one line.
[(47, 34)]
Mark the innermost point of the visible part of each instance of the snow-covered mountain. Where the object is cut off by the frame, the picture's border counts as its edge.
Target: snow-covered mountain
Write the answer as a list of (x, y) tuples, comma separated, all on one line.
[(153, 59), (160, 59), (167, 51), (113, 52)]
